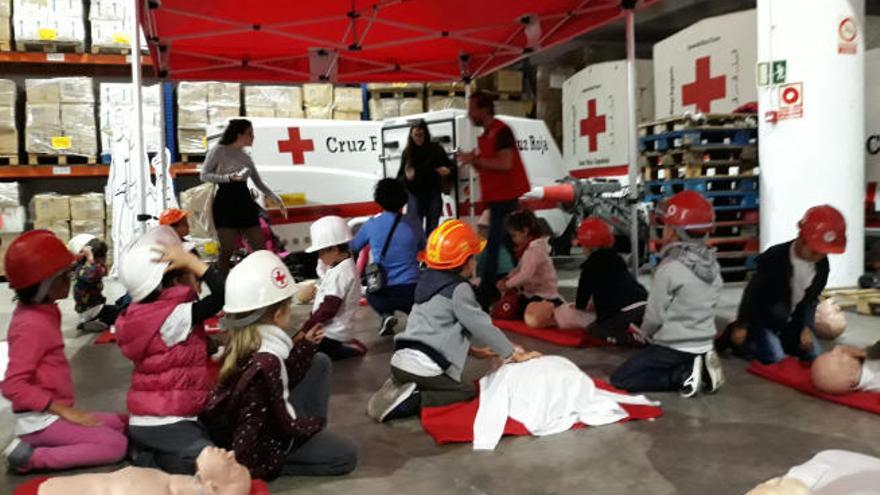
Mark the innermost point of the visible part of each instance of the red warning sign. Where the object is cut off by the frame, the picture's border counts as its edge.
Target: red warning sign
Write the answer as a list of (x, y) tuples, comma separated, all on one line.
[(791, 101), (847, 32)]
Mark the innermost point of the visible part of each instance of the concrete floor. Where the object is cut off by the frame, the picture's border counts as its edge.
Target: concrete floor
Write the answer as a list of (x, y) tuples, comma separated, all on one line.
[(750, 431)]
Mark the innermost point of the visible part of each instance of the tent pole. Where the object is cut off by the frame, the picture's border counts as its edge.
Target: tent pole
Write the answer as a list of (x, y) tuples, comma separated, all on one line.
[(633, 144), (137, 134), (163, 160), (469, 128)]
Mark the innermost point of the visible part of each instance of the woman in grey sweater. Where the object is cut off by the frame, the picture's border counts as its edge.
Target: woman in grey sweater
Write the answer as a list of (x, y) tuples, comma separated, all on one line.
[(234, 210)]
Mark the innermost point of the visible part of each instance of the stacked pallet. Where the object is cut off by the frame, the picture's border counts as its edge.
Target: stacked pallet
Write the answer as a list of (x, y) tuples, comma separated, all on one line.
[(14, 217), (348, 103), (51, 212), (862, 301), (5, 25), (273, 101), (446, 96), (318, 100), (60, 127), (202, 106), (390, 100), (114, 107), (49, 25), (109, 21), (507, 85), (8, 132), (716, 156)]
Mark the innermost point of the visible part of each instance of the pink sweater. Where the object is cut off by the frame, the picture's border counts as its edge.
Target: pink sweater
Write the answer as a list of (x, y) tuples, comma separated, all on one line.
[(38, 373), (535, 274)]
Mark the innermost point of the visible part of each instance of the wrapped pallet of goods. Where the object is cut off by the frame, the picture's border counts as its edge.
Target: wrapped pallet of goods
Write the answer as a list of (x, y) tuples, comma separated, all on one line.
[(384, 108), (446, 96), (9, 202), (88, 206), (273, 101), (8, 132), (348, 103), (52, 212), (5, 25), (201, 105), (389, 100), (49, 25), (109, 21), (60, 117), (114, 108), (318, 100)]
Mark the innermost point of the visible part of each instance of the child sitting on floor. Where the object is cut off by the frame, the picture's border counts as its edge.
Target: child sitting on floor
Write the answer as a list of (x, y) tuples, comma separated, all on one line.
[(846, 369), (51, 434), (534, 275), (445, 322), (778, 307), (618, 297), (162, 332), (339, 289), (680, 315), (270, 406), (88, 289)]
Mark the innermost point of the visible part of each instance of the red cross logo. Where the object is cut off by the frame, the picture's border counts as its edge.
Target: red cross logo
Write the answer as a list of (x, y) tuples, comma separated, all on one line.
[(593, 125), (705, 88), (279, 278), (296, 146)]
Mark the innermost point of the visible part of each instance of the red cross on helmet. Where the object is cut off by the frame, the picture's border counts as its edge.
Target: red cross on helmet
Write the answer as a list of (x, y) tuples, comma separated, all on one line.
[(259, 281), (689, 211), (823, 229)]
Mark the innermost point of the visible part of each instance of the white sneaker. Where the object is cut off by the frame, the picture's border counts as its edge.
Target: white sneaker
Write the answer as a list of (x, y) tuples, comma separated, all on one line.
[(388, 324), (693, 382), (714, 372), (387, 398)]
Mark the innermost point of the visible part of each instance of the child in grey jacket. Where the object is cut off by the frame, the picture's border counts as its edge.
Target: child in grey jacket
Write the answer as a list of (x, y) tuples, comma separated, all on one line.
[(445, 321), (680, 315)]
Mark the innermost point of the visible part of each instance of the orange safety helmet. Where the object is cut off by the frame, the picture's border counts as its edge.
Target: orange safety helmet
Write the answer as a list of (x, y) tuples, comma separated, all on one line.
[(689, 211), (594, 233), (450, 245), (35, 256), (172, 216), (823, 229)]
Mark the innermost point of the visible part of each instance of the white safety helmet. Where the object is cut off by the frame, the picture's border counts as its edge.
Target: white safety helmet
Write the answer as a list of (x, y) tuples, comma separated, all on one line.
[(78, 242), (327, 232), (253, 285), (139, 271)]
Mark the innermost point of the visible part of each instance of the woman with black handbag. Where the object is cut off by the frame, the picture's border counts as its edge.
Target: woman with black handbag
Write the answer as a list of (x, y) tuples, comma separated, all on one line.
[(394, 242)]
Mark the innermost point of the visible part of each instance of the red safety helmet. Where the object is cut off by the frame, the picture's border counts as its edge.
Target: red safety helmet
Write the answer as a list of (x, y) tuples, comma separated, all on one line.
[(823, 229), (594, 233), (689, 211), (35, 256), (171, 216)]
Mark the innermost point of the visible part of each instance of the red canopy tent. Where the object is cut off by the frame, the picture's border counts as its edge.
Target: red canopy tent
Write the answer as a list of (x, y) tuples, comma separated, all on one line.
[(354, 41)]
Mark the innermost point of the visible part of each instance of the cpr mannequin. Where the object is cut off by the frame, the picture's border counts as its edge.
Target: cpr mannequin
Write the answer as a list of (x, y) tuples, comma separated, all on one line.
[(845, 369), (781, 486), (568, 316), (540, 314), (830, 320), (217, 473), (830, 472)]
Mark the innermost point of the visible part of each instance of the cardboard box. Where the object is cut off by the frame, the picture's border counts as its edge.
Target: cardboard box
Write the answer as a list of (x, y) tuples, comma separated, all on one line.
[(87, 207), (8, 142), (7, 118), (436, 103), (50, 207), (109, 10), (258, 111), (325, 113), (5, 241), (192, 117), (512, 108), (110, 33), (410, 106), (508, 81), (60, 228), (348, 99), (93, 227), (273, 101), (9, 197), (192, 140), (14, 220), (5, 30), (384, 108), (5, 8), (317, 95), (8, 92), (219, 114), (395, 86), (224, 93), (340, 115), (60, 90), (192, 92)]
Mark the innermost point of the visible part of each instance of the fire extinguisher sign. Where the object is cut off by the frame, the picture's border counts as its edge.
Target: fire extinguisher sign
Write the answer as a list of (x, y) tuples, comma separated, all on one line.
[(791, 101), (847, 32)]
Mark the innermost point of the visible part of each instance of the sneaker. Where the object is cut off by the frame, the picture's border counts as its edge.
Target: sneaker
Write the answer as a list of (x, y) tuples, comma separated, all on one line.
[(93, 326), (410, 407), (18, 455), (387, 398), (388, 324), (694, 381), (714, 372)]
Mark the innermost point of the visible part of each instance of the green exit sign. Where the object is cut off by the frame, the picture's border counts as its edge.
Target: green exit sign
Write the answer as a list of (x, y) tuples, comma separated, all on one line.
[(772, 73)]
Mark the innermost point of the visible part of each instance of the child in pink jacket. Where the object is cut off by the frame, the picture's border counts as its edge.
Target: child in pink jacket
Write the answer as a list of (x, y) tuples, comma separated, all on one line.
[(51, 434), (534, 276)]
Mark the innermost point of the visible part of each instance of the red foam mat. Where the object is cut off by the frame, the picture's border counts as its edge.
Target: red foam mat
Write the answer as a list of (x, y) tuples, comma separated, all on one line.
[(795, 374), (212, 327), (455, 423), (32, 487), (567, 337)]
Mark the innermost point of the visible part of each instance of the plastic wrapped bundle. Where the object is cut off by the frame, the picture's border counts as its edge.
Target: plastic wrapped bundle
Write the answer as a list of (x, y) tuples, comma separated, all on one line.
[(49, 21), (348, 100), (8, 132), (60, 116), (87, 207), (201, 105), (115, 113), (273, 101)]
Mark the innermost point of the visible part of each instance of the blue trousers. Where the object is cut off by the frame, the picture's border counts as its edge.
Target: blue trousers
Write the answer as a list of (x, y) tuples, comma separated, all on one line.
[(498, 211), (654, 369), (769, 346), (426, 209)]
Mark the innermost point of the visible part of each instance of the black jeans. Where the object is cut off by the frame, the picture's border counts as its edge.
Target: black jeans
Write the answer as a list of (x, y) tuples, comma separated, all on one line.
[(436, 390), (654, 369), (393, 298), (426, 208), (172, 448), (487, 293), (615, 326)]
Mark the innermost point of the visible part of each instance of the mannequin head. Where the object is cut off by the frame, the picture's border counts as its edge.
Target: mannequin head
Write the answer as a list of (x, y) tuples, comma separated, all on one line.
[(220, 474), (540, 314), (781, 486), (836, 372), (830, 320)]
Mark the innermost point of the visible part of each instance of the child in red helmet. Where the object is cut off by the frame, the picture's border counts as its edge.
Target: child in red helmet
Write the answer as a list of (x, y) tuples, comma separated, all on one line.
[(618, 297), (778, 307), (680, 315), (51, 433)]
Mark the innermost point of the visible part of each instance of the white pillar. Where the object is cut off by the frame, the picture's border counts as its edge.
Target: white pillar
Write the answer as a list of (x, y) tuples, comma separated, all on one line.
[(137, 115), (818, 157), (633, 144)]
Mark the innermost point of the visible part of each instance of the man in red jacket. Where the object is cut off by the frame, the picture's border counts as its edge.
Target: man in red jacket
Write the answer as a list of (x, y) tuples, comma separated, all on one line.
[(503, 180)]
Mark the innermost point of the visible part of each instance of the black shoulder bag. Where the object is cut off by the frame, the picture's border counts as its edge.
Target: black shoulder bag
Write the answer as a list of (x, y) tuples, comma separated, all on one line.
[(374, 277)]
